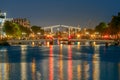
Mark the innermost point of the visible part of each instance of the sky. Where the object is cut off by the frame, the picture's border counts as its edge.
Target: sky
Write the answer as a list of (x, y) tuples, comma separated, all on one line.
[(86, 13)]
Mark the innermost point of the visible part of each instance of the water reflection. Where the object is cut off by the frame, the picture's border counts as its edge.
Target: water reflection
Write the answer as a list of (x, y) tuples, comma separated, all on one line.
[(33, 67), (96, 63), (70, 63), (51, 64), (119, 70), (59, 62), (79, 72), (4, 67), (23, 62)]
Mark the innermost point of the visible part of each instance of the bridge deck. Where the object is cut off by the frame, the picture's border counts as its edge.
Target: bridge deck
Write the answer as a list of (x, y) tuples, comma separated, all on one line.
[(88, 40), (72, 40)]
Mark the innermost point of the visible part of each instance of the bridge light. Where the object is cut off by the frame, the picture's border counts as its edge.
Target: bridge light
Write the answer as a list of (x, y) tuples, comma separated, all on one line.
[(106, 37), (87, 33), (48, 36), (38, 33), (78, 35), (93, 36), (69, 37)]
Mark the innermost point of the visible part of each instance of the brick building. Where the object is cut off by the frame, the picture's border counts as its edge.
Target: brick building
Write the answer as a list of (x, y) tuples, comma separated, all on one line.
[(22, 21)]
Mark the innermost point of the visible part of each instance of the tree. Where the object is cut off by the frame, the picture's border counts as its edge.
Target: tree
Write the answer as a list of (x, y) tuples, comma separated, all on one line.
[(114, 25), (91, 31), (37, 29), (15, 30), (101, 27), (12, 29), (8, 28), (25, 29)]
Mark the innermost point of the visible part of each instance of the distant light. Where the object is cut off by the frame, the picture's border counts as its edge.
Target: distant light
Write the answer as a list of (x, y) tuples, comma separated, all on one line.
[(5, 13), (87, 32), (38, 33), (78, 35), (69, 37), (96, 32), (106, 37), (78, 43)]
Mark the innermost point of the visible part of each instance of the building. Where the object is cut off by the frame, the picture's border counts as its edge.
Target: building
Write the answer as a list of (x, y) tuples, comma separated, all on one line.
[(2, 20), (22, 21)]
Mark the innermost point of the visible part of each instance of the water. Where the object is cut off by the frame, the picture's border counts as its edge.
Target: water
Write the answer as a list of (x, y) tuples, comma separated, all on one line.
[(64, 62)]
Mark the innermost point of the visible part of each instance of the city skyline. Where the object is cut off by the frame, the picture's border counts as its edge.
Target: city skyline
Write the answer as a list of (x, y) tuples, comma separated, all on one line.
[(67, 12)]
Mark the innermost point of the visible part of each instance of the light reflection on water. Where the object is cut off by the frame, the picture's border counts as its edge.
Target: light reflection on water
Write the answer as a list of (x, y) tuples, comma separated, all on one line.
[(59, 62), (51, 64), (70, 63)]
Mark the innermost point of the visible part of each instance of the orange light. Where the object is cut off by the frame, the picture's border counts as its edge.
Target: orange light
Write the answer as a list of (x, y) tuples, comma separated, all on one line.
[(106, 37), (69, 37), (51, 64), (48, 35), (70, 63), (78, 35)]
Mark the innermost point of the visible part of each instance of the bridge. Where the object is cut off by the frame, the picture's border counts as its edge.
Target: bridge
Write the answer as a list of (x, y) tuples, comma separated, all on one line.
[(62, 26), (88, 40), (28, 42), (51, 41)]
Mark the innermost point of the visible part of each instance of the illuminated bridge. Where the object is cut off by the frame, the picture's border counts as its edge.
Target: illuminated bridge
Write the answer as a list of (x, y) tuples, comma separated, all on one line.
[(58, 27)]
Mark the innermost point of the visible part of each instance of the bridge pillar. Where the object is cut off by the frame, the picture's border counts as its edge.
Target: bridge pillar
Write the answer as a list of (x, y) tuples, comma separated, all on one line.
[(51, 30), (69, 31), (79, 29), (69, 42), (51, 42), (75, 30)]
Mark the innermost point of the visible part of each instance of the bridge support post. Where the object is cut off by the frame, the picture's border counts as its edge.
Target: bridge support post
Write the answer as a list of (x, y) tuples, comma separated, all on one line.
[(51, 42), (69, 42), (69, 32), (51, 30)]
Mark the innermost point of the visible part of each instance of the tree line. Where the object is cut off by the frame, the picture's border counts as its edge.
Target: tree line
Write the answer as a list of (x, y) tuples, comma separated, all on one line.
[(14, 30), (112, 28)]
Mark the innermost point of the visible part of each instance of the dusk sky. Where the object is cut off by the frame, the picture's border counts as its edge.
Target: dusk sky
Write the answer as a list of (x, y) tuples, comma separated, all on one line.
[(86, 13)]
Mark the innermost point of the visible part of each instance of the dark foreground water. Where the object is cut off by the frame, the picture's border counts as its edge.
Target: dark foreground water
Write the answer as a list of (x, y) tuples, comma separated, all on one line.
[(64, 62)]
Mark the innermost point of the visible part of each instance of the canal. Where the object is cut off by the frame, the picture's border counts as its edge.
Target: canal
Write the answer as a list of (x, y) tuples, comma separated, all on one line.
[(59, 62)]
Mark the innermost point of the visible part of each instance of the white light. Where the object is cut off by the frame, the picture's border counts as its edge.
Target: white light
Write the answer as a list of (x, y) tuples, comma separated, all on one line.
[(4, 14), (96, 32)]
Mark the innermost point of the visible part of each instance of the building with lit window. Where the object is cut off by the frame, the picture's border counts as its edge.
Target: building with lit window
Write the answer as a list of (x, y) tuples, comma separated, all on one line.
[(22, 21), (2, 20)]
